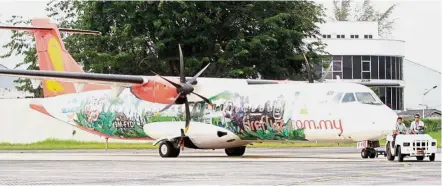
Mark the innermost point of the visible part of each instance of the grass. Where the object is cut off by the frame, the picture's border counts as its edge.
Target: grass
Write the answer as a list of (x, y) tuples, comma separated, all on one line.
[(53, 144)]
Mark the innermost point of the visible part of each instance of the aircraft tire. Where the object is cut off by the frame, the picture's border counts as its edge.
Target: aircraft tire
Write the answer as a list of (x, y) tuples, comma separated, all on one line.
[(400, 156), (365, 153), (167, 150), (237, 151), (390, 157), (432, 157), (373, 154)]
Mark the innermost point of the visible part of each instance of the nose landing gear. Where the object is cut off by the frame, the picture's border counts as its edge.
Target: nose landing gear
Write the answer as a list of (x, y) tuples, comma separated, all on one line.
[(370, 149)]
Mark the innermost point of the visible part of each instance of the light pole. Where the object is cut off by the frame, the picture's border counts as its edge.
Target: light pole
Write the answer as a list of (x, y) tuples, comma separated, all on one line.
[(423, 103)]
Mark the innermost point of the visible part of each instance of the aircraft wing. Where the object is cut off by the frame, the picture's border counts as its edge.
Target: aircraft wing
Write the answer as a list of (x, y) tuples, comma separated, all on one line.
[(77, 77)]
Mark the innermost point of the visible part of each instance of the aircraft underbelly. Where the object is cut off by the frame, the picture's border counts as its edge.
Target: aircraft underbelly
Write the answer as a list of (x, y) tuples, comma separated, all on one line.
[(201, 134)]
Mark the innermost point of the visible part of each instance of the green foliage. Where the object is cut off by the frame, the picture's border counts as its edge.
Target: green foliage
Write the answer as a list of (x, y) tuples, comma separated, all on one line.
[(23, 44), (431, 125), (241, 39)]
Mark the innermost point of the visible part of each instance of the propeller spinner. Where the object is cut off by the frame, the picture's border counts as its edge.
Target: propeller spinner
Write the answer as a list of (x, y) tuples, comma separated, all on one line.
[(184, 88)]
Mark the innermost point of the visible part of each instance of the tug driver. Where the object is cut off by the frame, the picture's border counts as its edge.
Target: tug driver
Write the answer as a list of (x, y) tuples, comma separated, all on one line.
[(417, 124)]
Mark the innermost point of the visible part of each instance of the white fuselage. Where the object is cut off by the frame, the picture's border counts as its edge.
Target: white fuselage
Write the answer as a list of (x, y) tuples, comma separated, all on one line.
[(315, 112)]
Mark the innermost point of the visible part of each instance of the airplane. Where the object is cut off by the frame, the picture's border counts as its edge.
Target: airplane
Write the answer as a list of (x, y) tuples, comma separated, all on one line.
[(199, 112)]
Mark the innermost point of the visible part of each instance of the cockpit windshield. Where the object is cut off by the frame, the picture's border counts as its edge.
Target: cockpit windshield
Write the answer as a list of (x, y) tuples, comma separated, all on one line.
[(366, 97)]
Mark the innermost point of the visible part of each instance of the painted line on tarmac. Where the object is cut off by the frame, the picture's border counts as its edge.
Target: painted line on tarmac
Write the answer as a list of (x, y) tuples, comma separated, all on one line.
[(365, 174)]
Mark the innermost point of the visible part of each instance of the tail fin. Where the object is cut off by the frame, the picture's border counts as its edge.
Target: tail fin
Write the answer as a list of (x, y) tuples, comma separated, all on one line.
[(52, 56)]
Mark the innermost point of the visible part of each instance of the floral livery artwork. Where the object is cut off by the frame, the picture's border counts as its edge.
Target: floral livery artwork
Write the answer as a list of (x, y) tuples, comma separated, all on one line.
[(121, 117), (252, 120)]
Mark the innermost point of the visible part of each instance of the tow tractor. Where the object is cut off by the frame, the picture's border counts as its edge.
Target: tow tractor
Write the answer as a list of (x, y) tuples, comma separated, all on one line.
[(411, 145)]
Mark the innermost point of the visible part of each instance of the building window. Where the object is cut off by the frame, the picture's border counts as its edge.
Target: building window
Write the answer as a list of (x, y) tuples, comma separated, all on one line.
[(374, 67), (400, 68), (329, 36), (393, 68), (347, 67), (338, 36), (335, 69), (357, 67), (325, 65), (387, 68), (366, 67), (324, 36), (368, 36), (382, 67), (394, 98), (354, 36), (400, 97)]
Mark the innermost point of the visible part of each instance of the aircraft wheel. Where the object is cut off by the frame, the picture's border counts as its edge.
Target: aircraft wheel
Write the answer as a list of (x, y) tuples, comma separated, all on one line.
[(364, 153), (420, 158), (390, 157), (432, 157), (167, 150), (373, 154), (400, 156), (237, 151)]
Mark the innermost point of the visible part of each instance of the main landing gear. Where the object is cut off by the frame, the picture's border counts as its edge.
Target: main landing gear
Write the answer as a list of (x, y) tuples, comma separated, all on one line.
[(370, 149), (171, 149), (237, 151)]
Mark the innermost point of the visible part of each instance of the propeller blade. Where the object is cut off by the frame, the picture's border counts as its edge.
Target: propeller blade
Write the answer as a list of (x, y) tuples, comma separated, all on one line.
[(191, 81), (182, 77), (187, 115), (168, 106), (171, 82), (204, 98)]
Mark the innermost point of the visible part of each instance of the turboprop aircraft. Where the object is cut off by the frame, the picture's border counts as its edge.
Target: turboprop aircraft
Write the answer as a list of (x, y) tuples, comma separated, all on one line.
[(197, 112)]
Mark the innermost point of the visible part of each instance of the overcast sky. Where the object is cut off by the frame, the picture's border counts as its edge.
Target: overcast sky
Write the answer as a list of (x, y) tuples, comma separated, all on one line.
[(418, 23)]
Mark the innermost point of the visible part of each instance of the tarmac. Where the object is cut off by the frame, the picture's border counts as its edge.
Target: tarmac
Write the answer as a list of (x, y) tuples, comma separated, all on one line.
[(288, 166)]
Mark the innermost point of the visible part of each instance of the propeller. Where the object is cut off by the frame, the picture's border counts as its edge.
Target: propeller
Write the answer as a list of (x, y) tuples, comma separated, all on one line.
[(184, 88)]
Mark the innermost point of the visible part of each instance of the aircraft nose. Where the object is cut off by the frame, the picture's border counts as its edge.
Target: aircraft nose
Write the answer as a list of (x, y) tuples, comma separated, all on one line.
[(386, 120)]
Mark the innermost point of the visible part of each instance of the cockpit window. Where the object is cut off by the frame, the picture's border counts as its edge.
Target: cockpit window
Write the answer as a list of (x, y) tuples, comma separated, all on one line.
[(366, 97), (337, 97), (348, 97)]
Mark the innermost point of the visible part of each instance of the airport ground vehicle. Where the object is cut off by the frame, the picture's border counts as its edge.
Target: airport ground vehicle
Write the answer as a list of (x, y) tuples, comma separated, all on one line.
[(411, 145)]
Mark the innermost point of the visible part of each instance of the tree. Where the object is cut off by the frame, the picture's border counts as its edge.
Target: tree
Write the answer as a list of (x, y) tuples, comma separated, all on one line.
[(23, 44), (240, 39), (365, 12)]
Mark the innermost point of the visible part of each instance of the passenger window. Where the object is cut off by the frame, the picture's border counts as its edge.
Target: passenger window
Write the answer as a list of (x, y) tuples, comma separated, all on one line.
[(349, 97)]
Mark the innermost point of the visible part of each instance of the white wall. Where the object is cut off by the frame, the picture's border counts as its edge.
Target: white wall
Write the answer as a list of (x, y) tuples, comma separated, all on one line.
[(416, 80), (376, 47), (21, 124), (349, 28)]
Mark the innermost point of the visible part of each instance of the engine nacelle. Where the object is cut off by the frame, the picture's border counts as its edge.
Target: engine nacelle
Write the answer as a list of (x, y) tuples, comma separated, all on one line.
[(158, 91)]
